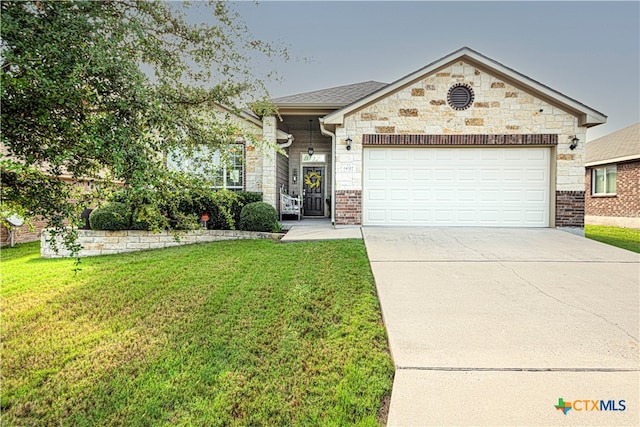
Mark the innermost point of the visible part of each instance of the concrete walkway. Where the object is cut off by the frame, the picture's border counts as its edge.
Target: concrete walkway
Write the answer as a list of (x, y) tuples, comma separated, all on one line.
[(493, 326), (317, 229)]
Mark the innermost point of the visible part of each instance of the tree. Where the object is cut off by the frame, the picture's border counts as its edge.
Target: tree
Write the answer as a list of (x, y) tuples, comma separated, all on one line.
[(99, 90)]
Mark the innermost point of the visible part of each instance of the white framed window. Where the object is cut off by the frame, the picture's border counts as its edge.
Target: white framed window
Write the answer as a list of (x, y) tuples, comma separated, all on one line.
[(603, 180), (227, 167)]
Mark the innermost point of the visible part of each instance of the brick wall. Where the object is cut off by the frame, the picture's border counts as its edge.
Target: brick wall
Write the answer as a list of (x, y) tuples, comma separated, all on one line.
[(348, 207), (569, 208), (22, 234), (626, 202)]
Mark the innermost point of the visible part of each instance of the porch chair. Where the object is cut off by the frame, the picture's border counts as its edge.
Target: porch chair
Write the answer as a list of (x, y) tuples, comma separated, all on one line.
[(289, 205)]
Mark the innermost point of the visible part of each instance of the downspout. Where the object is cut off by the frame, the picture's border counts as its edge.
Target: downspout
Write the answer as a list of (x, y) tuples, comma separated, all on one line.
[(287, 144), (325, 132)]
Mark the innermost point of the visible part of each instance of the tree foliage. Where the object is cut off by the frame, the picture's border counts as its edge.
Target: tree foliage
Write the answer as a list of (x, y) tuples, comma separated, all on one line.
[(99, 90)]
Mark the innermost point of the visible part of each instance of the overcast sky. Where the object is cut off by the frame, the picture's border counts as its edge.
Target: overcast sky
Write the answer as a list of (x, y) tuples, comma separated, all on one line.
[(589, 51)]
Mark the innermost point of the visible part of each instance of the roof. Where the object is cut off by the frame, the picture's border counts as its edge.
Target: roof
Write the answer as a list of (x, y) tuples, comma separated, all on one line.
[(335, 97), (587, 116), (618, 146)]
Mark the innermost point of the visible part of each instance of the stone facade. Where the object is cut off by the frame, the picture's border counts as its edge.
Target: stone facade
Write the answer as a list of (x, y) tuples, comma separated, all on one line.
[(348, 207), (500, 108), (269, 161), (96, 242), (621, 209)]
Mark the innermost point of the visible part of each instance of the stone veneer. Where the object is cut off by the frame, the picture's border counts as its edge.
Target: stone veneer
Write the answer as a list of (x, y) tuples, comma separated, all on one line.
[(100, 242), (348, 207), (569, 208), (500, 108)]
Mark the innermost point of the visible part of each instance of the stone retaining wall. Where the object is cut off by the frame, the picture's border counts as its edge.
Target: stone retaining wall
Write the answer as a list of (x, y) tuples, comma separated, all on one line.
[(95, 242)]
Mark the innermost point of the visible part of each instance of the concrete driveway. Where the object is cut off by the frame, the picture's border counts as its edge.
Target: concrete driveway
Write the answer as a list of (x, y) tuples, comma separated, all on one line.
[(493, 326)]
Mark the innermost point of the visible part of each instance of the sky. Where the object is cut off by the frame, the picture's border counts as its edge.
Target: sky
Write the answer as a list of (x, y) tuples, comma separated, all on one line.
[(589, 51)]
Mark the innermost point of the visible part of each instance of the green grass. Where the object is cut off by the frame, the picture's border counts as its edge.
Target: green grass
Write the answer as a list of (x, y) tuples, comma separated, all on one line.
[(228, 333), (625, 238)]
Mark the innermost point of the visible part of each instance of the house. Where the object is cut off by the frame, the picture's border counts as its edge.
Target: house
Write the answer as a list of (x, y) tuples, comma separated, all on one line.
[(612, 179), (464, 141)]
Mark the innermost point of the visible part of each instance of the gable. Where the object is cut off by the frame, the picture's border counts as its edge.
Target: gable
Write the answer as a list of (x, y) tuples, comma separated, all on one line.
[(498, 107), (462, 66)]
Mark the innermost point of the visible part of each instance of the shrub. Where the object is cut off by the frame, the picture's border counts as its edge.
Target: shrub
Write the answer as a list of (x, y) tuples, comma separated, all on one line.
[(111, 216), (225, 202), (244, 198), (259, 216)]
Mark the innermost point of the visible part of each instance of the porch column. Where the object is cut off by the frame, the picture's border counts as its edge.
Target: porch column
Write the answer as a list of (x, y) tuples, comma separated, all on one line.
[(269, 190)]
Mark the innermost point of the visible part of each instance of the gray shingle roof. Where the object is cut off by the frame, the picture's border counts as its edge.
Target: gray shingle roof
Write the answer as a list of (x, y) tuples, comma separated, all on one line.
[(622, 144), (338, 96)]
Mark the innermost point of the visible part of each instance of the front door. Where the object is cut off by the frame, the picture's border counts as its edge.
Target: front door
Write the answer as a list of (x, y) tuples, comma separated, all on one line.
[(313, 177)]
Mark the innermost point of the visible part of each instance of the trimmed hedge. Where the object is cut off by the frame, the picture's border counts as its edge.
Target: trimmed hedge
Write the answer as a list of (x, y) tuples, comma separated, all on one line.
[(111, 216), (259, 216)]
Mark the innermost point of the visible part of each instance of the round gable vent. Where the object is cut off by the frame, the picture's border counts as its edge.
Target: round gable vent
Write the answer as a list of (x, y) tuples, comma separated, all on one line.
[(460, 96)]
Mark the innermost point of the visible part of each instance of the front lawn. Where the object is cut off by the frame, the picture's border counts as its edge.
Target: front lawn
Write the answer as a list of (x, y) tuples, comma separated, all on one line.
[(625, 238), (227, 333)]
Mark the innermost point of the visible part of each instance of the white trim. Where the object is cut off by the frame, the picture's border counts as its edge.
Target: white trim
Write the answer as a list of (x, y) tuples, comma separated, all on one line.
[(326, 132), (587, 116), (614, 160), (593, 181)]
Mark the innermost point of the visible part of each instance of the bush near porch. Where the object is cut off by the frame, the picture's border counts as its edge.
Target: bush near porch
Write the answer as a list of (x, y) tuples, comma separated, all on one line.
[(227, 333)]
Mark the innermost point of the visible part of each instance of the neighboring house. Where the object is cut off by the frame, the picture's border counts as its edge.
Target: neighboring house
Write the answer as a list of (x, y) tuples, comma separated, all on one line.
[(464, 141), (612, 179)]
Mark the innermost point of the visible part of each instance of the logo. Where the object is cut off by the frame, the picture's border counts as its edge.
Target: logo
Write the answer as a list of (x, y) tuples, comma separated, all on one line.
[(590, 405), (563, 406)]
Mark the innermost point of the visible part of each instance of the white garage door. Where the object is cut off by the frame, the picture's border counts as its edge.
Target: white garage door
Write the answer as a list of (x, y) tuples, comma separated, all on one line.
[(499, 187)]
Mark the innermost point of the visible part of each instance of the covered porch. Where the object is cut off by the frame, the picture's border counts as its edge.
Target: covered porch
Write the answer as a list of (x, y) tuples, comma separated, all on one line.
[(306, 172)]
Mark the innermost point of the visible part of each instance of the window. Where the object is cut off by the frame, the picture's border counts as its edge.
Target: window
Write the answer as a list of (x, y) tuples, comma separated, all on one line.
[(603, 180), (227, 167)]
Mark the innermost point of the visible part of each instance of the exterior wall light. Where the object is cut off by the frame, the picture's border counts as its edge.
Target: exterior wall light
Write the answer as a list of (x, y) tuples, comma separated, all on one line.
[(310, 150), (348, 141), (295, 176), (574, 143)]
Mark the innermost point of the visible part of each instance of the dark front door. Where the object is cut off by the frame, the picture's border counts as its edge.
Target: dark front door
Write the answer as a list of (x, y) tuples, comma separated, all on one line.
[(313, 191)]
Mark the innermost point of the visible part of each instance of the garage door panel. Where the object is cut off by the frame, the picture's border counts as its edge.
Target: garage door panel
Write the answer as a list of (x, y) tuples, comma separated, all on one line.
[(421, 195), (376, 215), (467, 175), (376, 155), (421, 174), (493, 186), (377, 195), (444, 175), (444, 155), (400, 195), (533, 196), (399, 175), (399, 216), (421, 155), (396, 155), (377, 175), (421, 215)]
